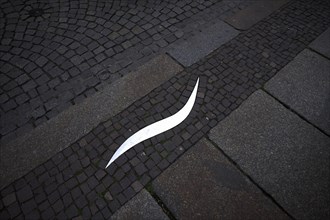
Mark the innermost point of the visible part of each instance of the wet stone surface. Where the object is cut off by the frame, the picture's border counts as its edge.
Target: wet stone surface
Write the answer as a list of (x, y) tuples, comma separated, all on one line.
[(70, 183)]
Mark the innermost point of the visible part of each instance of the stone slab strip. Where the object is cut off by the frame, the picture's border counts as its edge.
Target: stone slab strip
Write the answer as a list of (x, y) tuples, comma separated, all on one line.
[(282, 153), (34, 148), (189, 51), (254, 13), (203, 184), (304, 85), (142, 206), (322, 44)]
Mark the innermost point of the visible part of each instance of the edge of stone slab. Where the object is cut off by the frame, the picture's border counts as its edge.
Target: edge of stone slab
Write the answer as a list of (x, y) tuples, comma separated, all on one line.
[(142, 205), (270, 130), (302, 86), (254, 13), (26, 152), (235, 180), (321, 44), (209, 38)]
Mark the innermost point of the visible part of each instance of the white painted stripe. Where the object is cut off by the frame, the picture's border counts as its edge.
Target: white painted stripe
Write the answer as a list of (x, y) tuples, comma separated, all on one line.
[(157, 127)]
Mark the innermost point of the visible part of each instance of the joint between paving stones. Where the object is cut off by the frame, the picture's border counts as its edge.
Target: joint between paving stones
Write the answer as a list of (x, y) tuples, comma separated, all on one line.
[(228, 76), (269, 196), (165, 209), (295, 112), (317, 52), (77, 47), (168, 54)]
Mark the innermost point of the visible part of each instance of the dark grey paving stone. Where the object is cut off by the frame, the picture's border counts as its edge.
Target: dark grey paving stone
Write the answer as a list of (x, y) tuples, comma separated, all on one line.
[(189, 51), (322, 43), (304, 85), (142, 206), (101, 46), (285, 155), (46, 140), (203, 184), (254, 13)]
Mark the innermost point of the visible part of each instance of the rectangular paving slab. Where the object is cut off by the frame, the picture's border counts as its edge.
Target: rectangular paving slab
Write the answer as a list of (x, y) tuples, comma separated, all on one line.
[(55, 135), (285, 155), (189, 51), (142, 206), (322, 43), (257, 11), (203, 184), (304, 85)]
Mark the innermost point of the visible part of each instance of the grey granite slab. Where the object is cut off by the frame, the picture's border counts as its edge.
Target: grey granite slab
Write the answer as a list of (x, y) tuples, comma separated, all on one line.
[(304, 85), (203, 184), (254, 13), (189, 51), (56, 134), (285, 155), (322, 44), (140, 207)]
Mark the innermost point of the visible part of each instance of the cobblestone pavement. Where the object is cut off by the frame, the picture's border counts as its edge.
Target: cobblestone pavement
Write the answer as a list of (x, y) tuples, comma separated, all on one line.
[(74, 183), (53, 54)]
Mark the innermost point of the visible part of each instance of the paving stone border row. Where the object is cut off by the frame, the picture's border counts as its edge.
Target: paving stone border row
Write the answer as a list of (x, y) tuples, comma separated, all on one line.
[(49, 65), (36, 147), (74, 182)]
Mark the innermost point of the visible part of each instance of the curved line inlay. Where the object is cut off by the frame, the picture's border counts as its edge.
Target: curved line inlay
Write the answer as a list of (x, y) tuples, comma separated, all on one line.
[(157, 127)]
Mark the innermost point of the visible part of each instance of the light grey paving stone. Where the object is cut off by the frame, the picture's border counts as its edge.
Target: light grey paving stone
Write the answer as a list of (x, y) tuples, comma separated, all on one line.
[(254, 13), (322, 43), (304, 85), (203, 184), (285, 155), (189, 51), (56, 134), (142, 206)]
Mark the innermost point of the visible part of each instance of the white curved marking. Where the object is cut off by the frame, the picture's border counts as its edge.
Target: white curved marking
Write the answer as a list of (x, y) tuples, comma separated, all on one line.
[(157, 127)]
